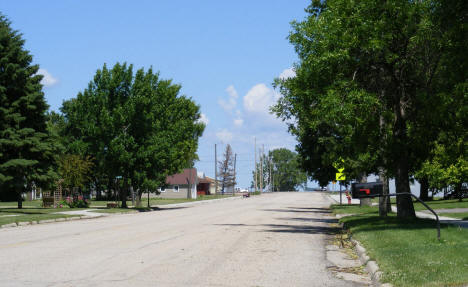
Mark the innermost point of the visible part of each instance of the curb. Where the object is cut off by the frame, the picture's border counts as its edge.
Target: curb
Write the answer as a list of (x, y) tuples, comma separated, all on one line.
[(371, 266)]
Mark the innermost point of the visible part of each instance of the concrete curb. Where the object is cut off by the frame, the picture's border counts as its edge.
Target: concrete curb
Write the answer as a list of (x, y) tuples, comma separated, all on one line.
[(371, 266)]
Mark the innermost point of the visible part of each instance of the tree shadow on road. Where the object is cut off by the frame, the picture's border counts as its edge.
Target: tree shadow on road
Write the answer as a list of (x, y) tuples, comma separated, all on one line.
[(156, 208), (307, 219), (285, 228), (288, 228), (301, 210)]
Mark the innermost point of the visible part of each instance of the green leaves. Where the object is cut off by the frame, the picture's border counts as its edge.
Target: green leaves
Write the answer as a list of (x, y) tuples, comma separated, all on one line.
[(26, 149), (371, 83), (134, 126)]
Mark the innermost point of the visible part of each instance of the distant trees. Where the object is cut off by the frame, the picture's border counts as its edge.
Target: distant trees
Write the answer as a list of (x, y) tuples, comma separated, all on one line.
[(136, 127), (226, 169), (27, 152), (286, 171), (281, 171), (372, 86)]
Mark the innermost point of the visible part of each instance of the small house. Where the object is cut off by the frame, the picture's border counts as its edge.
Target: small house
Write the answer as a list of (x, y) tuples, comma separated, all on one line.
[(181, 185)]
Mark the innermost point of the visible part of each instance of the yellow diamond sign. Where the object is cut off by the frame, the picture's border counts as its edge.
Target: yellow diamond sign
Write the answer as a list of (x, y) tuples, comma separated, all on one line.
[(339, 165), (340, 176)]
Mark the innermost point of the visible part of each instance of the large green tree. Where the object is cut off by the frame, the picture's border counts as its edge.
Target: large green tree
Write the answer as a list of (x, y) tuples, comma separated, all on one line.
[(26, 149), (368, 79), (136, 127), (281, 171)]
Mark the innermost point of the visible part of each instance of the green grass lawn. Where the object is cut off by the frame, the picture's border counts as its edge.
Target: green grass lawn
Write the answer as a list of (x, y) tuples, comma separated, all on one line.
[(32, 203), (12, 215), (154, 201), (408, 251)]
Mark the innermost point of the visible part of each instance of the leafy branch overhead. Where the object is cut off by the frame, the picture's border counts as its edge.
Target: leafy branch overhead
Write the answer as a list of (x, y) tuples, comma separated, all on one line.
[(373, 86)]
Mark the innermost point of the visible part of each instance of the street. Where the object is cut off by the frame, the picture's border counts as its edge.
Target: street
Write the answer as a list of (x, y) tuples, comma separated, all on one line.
[(270, 240)]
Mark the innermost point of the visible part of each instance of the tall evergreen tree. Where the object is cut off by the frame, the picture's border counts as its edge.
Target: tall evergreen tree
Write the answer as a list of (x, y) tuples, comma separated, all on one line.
[(26, 150), (226, 169)]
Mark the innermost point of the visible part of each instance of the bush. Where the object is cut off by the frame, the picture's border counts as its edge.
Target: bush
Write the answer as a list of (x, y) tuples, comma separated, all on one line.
[(76, 202)]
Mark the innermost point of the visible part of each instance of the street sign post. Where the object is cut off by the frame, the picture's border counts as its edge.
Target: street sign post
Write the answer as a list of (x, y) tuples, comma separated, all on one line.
[(340, 176)]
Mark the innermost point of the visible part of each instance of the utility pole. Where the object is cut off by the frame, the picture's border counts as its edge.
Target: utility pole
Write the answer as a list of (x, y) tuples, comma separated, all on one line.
[(234, 187), (261, 170), (255, 180), (271, 178), (216, 171)]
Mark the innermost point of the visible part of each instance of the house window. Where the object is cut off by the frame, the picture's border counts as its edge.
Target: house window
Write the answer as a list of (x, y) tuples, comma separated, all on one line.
[(176, 188), (162, 189)]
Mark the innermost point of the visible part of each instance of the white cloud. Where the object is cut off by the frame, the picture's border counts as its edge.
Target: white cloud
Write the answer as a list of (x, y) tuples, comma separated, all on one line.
[(204, 119), (48, 80), (259, 99), (287, 73), (231, 103), (238, 122), (224, 135)]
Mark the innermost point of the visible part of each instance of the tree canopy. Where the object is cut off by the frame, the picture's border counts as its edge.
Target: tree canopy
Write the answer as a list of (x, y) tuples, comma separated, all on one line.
[(136, 128), (369, 86), (27, 152)]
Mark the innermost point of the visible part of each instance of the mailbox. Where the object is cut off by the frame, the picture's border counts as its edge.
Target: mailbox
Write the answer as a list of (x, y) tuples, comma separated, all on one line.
[(360, 190)]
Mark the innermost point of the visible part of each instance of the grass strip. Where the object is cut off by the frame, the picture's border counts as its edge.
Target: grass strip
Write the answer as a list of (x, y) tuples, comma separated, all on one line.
[(14, 215), (408, 251)]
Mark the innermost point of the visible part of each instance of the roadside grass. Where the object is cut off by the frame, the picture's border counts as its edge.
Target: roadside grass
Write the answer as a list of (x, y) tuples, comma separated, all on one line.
[(408, 251), (352, 209), (29, 203), (155, 201), (14, 215), (102, 203)]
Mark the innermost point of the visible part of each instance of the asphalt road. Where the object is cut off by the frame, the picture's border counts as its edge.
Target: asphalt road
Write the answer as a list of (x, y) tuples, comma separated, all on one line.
[(270, 240)]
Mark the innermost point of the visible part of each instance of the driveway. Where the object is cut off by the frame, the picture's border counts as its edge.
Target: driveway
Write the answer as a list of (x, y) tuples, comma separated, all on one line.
[(270, 240)]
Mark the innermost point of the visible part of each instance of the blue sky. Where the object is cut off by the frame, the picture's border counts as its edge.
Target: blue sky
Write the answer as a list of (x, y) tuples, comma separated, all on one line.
[(225, 54)]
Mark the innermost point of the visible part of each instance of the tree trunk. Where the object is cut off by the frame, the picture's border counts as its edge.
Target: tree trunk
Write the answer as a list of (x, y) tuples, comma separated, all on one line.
[(123, 194), (19, 197), (458, 191), (424, 190), (405, 206), (384, 201), (365, 201)]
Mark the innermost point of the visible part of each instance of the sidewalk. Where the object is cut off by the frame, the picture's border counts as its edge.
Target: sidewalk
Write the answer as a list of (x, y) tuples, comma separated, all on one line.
[(86, 212), (442, 219)]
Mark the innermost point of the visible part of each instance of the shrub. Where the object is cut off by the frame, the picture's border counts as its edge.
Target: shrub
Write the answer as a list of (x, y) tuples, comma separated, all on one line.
[(76, 202)]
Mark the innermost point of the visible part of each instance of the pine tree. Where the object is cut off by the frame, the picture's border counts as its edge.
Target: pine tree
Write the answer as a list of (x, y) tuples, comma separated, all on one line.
[(26, 150), (226, 169)]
